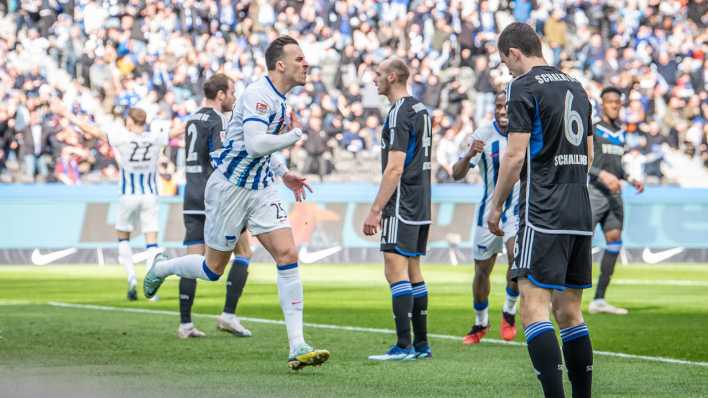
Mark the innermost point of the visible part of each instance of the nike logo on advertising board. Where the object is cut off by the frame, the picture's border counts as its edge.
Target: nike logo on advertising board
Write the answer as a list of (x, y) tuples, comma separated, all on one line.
[(44, 259), (654, 258), (307, 257)]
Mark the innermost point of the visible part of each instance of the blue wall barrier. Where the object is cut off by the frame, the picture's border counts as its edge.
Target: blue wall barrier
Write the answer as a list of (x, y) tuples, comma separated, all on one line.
[(58, 216)]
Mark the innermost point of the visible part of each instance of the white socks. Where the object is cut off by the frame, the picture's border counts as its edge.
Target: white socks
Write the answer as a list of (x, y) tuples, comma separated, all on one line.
[(482, 316), (291, 301), (125, 258), (510, 303), (191, 266)]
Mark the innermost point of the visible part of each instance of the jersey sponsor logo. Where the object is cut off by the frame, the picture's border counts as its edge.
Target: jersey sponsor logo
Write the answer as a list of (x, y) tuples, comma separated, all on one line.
[(44, 259), (261, 108), (609, 149), (308, 257), (653, 258)]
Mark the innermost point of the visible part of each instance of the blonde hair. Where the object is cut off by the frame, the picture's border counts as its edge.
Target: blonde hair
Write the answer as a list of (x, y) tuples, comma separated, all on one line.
[(138, 116)]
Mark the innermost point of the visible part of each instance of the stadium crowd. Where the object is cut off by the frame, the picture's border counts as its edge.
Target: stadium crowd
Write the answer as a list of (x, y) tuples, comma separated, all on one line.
[(104, 56)]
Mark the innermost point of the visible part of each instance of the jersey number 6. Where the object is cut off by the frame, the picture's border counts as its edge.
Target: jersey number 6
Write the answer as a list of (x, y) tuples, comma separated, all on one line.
[(571, 117)]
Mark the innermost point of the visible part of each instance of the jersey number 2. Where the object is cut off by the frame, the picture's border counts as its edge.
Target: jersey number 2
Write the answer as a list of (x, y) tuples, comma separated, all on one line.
[(571, 117), (191, 150), (146, 151)]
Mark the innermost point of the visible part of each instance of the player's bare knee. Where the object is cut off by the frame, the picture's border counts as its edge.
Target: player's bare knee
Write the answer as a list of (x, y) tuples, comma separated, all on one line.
[(614, 235), (568, 316), (567, 309), (286, 255), (243, 250), (217, 260), (482, 269)]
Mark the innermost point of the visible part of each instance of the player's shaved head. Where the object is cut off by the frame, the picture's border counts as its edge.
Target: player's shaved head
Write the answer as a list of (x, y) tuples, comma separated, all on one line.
[(138, 116), (399, 68), (275, 51)]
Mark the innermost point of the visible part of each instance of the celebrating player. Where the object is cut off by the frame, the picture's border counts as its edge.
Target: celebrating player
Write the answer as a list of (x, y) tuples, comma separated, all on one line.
[(241, 193), (138, 152), (606, 192), (486, 150), (402, 209), (550, 143), (204, 132)]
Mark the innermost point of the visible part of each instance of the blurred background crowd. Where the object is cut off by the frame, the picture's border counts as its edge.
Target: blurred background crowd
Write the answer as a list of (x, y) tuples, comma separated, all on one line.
[(104, 56)]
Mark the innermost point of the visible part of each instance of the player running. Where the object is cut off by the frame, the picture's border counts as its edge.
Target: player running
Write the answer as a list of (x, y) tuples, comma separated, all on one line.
[(241, 193), (606, 192), (204, 132), (401, 209), (488, 144), (138, 153), (550, 143)]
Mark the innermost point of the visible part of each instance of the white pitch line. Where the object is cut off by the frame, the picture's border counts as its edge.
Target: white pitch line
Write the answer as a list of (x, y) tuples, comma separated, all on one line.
[(369, 330)]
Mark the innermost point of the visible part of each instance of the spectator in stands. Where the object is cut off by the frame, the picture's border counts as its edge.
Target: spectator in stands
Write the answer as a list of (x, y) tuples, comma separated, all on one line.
[(158, 52)]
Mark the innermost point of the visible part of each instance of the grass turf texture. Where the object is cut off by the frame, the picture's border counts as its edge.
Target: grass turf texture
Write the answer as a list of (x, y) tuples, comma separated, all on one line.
[(97, 353)]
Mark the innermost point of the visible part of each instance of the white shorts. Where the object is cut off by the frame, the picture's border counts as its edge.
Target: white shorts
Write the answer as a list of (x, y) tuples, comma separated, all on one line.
[(130, 207), (230, 209), (486, 244)]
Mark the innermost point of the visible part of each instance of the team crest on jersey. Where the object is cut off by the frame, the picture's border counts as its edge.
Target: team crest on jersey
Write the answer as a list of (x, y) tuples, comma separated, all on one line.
[(261, 108)]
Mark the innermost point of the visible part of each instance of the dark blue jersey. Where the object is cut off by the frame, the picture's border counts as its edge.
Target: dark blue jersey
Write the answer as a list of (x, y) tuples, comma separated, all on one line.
[(554, 109), (407, 129)]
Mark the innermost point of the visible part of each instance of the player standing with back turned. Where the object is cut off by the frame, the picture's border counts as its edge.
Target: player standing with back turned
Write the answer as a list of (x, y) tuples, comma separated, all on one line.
[(402, 209), (550, 144), (138, 153)]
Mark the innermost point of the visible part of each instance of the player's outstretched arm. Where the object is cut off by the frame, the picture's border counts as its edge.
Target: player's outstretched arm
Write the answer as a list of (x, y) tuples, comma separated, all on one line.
[(391, 176), (60, 109), (508, 176), (462, 166), (259, 143)]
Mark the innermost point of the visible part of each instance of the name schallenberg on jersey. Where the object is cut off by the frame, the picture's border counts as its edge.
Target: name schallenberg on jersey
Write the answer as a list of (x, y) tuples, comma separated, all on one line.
[(262, 103)]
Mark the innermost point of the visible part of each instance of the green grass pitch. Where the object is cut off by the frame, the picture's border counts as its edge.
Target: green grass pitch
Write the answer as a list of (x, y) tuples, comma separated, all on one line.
[(47, 350)]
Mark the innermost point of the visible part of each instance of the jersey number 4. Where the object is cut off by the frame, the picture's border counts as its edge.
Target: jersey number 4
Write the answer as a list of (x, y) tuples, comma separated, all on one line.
[(139, 150)]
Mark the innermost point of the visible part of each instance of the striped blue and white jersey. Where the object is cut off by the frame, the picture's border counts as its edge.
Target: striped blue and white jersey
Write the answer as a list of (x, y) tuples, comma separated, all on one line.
[(489, 162), (138, 156), (260, 102)]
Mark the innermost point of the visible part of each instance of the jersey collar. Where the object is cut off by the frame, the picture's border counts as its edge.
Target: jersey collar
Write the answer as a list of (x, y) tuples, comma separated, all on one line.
[(274, 89), (498, 129)]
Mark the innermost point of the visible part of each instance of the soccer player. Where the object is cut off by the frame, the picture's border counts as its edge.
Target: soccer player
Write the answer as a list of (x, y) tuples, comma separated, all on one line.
[(241, 193), (550, 144), (401, 209), (204, 131), (606, 192), (487, 149), (138, 152)]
